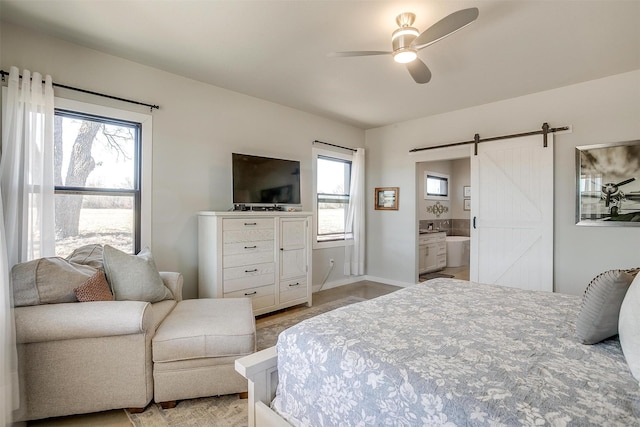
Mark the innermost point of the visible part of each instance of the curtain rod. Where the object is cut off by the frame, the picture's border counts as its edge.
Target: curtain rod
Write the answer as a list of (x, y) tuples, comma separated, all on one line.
[(333, 145), (151, 107), (476, 140)]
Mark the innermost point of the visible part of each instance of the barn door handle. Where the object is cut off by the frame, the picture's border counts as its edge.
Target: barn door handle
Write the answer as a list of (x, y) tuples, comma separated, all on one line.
[(474, 222)]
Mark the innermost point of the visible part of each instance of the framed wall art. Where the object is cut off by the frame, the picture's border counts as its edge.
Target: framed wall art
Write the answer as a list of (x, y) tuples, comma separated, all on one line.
[(386, 198), (608, 184)]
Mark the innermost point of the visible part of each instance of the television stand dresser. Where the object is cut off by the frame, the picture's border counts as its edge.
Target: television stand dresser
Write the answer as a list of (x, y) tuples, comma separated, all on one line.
[(263, 255)]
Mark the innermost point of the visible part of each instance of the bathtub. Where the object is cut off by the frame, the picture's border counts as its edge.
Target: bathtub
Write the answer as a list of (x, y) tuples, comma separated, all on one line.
[(458, 251)]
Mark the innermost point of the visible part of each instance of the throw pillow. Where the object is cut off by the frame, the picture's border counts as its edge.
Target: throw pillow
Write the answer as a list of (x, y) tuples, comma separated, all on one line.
[(95, 288), (87, 255), (134, 277), (47, 281), (598, 316), (629, 327)]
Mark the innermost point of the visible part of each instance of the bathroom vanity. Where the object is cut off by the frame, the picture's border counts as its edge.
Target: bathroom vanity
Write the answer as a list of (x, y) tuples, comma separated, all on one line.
[(432, 246)]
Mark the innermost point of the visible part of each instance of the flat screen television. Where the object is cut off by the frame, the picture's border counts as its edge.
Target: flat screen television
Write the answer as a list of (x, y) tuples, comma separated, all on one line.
[(263, 181)]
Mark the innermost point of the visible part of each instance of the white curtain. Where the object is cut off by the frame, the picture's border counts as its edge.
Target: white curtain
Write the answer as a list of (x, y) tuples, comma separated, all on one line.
[(26, 167), (26, 189), (8, 355), (354, 253)]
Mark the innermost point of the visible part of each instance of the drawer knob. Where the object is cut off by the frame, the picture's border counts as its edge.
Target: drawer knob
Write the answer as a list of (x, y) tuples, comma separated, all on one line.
[(251, 271), (250, 247), (250, 293), (250, 223), (294, 284)]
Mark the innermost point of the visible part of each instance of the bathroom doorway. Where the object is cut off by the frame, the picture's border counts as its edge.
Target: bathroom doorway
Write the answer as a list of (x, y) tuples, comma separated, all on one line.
[(443, 215)]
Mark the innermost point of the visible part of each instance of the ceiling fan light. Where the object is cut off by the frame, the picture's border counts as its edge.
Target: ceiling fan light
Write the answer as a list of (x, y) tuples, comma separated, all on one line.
[(404, 31), (404, 56)]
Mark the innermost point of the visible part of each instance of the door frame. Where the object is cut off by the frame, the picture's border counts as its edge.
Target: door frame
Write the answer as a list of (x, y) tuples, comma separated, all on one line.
[(434, 155)]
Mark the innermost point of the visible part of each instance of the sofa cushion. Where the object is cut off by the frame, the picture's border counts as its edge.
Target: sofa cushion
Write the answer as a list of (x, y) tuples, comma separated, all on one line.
[(95, 288), (598, 316), (134, 277), (87, 255), (201, 328), (47, 281)]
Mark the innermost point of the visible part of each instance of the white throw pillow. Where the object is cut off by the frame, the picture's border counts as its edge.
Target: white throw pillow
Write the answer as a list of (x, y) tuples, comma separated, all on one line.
[(134, 277), (629, 327)]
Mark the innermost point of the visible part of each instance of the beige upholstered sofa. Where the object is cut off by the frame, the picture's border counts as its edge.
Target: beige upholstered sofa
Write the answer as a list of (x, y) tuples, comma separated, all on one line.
[(85, 357)]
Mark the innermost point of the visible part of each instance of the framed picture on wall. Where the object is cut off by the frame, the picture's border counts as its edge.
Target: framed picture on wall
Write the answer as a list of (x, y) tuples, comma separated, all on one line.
[(386, 198), (466, 191), (608, 184)]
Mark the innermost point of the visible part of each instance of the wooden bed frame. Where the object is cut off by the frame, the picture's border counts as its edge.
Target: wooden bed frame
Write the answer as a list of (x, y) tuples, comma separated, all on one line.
[(261, 371)]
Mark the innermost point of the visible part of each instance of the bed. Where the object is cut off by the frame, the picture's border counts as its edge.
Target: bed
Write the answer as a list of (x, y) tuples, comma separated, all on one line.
[(444, 352)]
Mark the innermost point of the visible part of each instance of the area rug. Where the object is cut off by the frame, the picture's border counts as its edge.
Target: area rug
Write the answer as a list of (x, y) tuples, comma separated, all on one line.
[(229, 411), (429, 276)]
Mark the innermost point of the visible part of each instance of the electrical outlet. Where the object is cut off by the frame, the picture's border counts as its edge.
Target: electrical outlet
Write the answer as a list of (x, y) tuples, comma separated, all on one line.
[(331, 262)]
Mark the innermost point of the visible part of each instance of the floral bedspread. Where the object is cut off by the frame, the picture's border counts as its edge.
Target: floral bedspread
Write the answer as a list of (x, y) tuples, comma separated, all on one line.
[(453, 353)]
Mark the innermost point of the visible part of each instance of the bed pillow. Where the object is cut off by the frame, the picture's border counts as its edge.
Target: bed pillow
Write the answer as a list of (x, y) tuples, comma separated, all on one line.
[(598, 316), (47, 281), (95, 288), (629, 327), (134, 277)]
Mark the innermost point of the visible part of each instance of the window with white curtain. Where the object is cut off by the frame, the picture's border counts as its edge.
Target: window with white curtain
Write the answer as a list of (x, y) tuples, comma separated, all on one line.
[(332, 180), (99, 158)]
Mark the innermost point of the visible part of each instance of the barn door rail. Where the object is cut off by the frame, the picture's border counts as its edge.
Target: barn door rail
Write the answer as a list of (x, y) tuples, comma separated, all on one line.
[(477, 140)]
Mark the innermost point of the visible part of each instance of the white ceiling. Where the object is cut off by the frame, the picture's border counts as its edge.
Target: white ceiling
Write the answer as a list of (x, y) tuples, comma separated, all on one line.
[(277, 50)]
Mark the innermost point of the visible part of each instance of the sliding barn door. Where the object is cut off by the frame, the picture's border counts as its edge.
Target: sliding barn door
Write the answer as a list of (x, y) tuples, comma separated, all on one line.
[(512, 213)]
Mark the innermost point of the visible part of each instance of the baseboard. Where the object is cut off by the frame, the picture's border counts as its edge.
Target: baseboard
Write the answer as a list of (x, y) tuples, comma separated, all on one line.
[(338, 283), (387, 281), (353, 279)]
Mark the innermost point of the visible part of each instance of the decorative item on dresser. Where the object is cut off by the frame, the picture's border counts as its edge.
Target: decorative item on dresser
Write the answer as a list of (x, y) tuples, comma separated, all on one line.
[(262, 255)]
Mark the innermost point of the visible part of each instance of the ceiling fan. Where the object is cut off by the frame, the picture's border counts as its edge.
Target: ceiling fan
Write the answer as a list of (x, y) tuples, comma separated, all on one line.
[(406, 41)]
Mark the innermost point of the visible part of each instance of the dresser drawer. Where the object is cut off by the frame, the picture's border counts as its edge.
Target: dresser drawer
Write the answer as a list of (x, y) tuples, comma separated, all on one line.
[(248, 236), (442, 248), (229, 224), (246, 259), (237, 254), (261, 297), (248, 276), (248, 248), (293, 289), (424, 239)]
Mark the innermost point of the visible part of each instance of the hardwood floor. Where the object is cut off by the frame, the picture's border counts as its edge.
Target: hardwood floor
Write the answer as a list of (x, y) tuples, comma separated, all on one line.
[(118, 418)]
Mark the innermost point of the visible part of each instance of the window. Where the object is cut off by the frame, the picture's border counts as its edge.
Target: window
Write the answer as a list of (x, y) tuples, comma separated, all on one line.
[(332, 182), (98, 178), (436, 186)]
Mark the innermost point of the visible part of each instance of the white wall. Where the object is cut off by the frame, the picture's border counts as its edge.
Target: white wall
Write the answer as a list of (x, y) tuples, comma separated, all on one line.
[(195, 131), (600, 111)]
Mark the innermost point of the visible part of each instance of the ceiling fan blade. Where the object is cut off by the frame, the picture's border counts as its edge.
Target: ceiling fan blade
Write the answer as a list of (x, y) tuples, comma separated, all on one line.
[(445, 27), (419, 71), (359, 53)]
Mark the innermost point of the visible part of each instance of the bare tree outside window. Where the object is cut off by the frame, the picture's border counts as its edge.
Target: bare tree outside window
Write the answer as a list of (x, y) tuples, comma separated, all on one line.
[(96, 180)]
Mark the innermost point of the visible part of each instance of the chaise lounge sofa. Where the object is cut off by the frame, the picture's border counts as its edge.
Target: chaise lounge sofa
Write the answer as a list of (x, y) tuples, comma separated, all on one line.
[(86, 357)]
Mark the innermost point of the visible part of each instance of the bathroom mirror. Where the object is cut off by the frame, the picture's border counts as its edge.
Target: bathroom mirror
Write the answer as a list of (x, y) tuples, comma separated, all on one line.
[(436, 186)]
